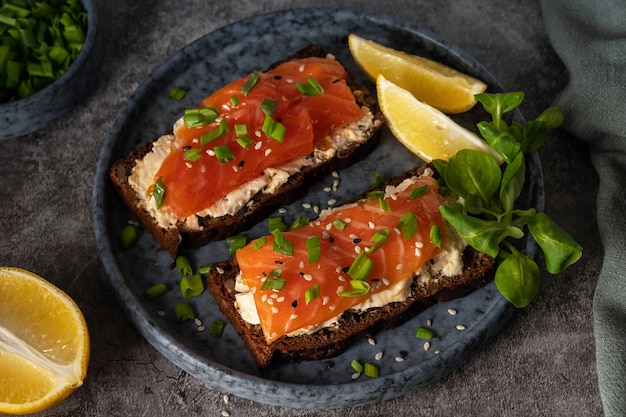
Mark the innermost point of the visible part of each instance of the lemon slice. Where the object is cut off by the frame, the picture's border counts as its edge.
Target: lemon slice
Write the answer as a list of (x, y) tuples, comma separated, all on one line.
[(44, 343), (433, 83), (424, 130)]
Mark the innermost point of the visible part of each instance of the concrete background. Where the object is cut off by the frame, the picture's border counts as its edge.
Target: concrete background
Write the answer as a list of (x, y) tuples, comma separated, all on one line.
[(541, 364)]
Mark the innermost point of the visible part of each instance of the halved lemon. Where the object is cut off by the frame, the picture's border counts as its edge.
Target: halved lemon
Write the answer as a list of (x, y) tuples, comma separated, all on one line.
[(433, 83), (421, 128), (44, 343)]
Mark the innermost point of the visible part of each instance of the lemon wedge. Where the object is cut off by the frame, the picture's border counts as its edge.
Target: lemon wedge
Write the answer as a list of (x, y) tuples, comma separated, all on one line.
[(433, 83), (421, 128), (44, 343)]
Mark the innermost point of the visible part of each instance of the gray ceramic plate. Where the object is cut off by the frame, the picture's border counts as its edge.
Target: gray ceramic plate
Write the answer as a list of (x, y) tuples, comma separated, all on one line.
[(205, 65)]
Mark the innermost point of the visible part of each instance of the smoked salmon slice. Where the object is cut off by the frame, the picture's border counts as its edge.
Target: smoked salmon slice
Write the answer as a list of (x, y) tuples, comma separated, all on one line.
[(236, 145), (309, 275)]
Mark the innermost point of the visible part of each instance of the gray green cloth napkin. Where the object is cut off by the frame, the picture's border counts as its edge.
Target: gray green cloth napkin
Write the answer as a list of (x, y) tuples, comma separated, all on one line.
[(590, 38)]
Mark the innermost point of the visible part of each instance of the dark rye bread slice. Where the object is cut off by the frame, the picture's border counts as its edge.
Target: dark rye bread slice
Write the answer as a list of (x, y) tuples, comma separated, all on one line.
[(331, 341), (261, 205)]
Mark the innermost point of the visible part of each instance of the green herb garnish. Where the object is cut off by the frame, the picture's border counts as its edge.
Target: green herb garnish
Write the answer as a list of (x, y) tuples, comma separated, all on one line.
[(273, 129), (274, 281), (370, 370), (177, 94), (313, 249), (361, 267), (281, 244), (359, 289), (408, 225), (128, 235), (489, 217), (155, 290), (191, 286), (340, 224), (214, 134), (435, 236), (259, 243), (158, 192), (310, 88), (183, 266), (235, 242), (276, 223), (217, 328), (184, 312), (250, 83), (223, 153), (418, 191), (299, 222), (424, 333), (312, 293), (379, 239), (200, 117)]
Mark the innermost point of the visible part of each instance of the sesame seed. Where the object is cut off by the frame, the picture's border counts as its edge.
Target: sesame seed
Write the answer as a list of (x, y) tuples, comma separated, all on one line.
[(235, 168), (220, 270), (301, 68), (353, 236), (418, 252), (335, 174), (341, 278), (340, 289), (325, 300), (396, 230), (274, 310), (274, 296), (426, 346), (372, 225), (419, 244), (327, 189), (357, 249), (258, 145), (356, 375), (316, 209), (437, 352), (280, 299), (201, 328), (338, 270), (210, 152), (293, 316), (386, 281), (226, 399), (399, 266), (429, 322), (332, 201), (258, 135), (282, 210), (371, 341), (197, 321), (460, 327), (225, 413), (268, 151), (188, 164), (399, 359), (452, 311), (379, 356), (347, 220), (270, 301), (160, 313), (195, 140), (335, 248), (306, 205), (308, 277)]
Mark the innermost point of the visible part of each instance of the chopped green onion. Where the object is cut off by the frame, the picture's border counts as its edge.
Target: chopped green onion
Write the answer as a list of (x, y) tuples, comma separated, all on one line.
[(250, 83), (281, 244), (217, 328), (183, 266), (312, 88), (214, 134), (376, 194), (156, 290), (379, 239), (245, 141), (158, 192), (384, 205), (274, 281), (299, 222), (184, 312), (235, 242), (191, 286), (359, 289), (340, 224), (356, 365), (204, 269), (223, 153), (192, 155), (274, 129), (408, 225), (268, 106), (177, 94), (377, 181), (128, 235), (424, 333), (370, 370), (241, 129), (276, 223), (312, 293), (418, 191), (313, 249), (361, 267), (435, 236), (234, 101), (259, 243), (200, 117)]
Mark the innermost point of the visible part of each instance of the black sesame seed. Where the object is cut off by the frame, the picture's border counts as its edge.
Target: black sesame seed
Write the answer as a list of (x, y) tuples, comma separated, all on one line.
[(279, 119), (277, 77), (294, 303), (277, 262), (301, 273), (331, 239), (346, 269), (186, 148), (357, 240), (241, 163)]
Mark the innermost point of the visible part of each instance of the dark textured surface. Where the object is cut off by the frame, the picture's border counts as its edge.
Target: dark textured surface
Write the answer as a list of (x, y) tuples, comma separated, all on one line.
[(542, 363)]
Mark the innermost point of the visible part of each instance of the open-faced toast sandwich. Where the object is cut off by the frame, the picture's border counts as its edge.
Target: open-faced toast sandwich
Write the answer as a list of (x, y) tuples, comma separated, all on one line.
[(370, 264), (247, 149)]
